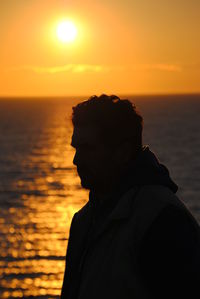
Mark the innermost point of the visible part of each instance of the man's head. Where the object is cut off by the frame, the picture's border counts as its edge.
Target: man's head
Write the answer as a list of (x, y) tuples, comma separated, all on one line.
[(107, 135)]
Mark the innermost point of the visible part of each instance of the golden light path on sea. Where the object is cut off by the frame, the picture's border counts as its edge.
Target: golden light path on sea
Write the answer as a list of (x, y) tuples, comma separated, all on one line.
[(35, 223)]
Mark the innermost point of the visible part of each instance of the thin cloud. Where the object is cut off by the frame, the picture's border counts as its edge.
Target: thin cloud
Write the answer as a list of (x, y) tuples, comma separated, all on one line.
[(88, 68), (167, 67), (193, 66), (158, 67), (73, 68)]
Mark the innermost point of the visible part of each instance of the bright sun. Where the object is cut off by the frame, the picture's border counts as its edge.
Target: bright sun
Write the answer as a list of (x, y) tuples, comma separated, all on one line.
[(66, 31)]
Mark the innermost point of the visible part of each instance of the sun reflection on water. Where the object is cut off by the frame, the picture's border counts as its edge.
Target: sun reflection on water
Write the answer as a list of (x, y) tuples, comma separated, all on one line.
[(39, 198)]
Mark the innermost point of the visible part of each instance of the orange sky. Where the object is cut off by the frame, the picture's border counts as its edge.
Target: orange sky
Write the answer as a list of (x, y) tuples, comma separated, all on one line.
[(141, 46)]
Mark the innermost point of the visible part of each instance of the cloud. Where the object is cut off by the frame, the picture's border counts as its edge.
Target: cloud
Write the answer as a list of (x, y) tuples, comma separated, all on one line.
[(73, 68), (91, 68), (158, 67), (193, 66)]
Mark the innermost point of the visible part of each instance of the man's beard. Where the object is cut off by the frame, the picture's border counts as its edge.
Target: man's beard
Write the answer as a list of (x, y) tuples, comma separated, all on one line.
[(90, 181), (85, 178), (98, 184)]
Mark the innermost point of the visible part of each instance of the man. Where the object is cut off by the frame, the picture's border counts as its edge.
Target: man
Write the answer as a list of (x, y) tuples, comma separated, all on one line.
[(134, 239)]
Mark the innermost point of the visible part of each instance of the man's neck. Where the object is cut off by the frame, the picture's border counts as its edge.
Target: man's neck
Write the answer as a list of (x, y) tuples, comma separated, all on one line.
[(114, 183), (102, 195), (105, 193)]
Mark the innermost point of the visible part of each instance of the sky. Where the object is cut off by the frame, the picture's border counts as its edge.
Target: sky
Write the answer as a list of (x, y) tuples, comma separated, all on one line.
[(121, 47)]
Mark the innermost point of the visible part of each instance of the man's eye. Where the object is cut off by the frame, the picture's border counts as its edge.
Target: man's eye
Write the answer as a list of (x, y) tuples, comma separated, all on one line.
[(85, 147)]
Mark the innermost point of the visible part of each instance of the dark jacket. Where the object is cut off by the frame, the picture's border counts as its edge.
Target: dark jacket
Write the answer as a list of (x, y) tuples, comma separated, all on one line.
[(141, 243)]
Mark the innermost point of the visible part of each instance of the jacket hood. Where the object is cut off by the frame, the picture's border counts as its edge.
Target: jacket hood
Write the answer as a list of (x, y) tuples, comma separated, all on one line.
[(147, 170), (144, 170)]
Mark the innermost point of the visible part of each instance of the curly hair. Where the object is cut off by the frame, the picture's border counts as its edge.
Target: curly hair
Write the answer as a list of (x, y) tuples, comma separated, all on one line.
[(117, 119)]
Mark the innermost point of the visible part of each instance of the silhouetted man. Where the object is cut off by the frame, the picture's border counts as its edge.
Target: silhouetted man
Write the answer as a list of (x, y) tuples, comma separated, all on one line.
[(134, 239)]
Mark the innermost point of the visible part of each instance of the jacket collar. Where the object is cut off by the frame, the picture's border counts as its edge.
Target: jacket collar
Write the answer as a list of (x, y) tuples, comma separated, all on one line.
[(123, 208), (121, 211)]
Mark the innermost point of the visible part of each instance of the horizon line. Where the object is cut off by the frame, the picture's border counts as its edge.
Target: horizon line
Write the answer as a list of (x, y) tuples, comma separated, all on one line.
[(86, 95)]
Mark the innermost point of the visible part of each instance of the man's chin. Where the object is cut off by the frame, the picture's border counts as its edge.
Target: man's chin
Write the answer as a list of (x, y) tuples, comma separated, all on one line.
[(91, 186), (85, 184)]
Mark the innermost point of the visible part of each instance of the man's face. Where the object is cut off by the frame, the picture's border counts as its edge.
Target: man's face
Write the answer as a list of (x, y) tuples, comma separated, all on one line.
[(93, 158)]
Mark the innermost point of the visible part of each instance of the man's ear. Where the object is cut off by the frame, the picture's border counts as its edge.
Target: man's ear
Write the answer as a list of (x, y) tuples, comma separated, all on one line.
[(124, 153)]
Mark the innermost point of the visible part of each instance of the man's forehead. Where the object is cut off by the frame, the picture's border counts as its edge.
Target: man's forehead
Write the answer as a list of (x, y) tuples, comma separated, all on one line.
[(82, 135)]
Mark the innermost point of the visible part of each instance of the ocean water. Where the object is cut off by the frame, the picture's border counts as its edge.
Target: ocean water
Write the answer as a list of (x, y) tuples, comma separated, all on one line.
[(40, 190)]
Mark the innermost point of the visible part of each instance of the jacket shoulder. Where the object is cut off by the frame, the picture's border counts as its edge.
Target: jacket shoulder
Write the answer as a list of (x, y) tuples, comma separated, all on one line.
[(81, 217), (170, 201), (82, 211), (149, 204), (160, 195)]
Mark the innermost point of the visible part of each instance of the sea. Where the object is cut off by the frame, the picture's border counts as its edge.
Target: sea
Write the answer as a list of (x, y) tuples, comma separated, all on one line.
[(40, 189)]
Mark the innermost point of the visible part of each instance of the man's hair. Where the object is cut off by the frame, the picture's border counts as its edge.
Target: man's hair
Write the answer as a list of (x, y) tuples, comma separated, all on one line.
[(117, 119)]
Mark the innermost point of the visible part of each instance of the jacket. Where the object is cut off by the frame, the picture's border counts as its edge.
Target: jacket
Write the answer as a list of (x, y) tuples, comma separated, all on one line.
[(122, 249)]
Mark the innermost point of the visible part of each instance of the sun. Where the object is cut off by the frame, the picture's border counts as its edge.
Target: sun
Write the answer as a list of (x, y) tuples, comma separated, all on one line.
[(66, 31)]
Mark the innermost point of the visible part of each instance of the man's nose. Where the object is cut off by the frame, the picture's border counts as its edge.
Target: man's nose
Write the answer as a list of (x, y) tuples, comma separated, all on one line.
[(76, 159)]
